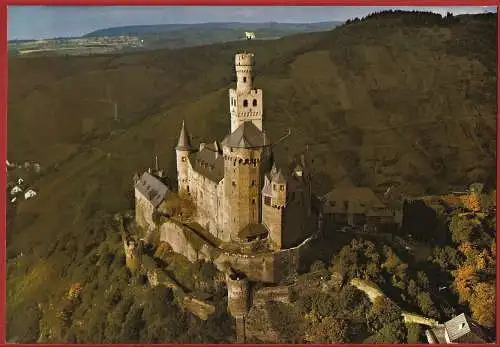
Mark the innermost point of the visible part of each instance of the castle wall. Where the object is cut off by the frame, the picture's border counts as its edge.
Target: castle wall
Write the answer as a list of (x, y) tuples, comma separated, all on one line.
[(207, 196), (238, 295), (143, 211), (272, 218), (268, 267)]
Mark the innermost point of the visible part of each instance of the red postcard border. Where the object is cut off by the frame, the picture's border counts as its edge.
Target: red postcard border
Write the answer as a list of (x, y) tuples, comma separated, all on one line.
[(4, 79)]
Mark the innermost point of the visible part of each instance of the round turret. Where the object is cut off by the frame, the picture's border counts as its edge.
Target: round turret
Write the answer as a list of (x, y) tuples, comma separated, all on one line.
[(238, 294), (244, 66)]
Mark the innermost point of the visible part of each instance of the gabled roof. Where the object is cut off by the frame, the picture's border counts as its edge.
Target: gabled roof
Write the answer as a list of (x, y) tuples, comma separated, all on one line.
[(208, 162), (184, 143), (152, 189), (247, 135), (355, 199)]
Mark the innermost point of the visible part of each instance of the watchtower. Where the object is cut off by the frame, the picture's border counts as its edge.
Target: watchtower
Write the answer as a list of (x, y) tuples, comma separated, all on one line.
[(245, 102)]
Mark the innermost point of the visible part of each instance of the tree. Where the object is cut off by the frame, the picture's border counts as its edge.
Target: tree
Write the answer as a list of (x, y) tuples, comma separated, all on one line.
[(465, 280), (386, 321), (359, 259), (426, 304), (329, 330), (463, 228), (414, 333), (483, 305)]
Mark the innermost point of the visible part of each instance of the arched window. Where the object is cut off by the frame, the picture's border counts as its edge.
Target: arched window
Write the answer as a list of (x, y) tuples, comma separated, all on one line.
[(254, 102), (245, 103), (244, 80)]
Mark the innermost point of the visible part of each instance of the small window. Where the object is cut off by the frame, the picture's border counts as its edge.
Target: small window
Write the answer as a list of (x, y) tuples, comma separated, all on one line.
[(253, 183), (274, 187), (183, 159), (281, 187), (188, 189), (244, 80), (253, 201), (254, 103), (245, 103), (234, 183), (267, 200)]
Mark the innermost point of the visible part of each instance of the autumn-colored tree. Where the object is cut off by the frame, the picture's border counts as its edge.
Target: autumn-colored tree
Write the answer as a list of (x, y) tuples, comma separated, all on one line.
[(465, 280), (482, 304), (472, 201)]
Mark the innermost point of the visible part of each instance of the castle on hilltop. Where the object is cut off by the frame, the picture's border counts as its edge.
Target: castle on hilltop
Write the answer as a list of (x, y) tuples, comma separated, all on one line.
[(239, 191), (249, 213)]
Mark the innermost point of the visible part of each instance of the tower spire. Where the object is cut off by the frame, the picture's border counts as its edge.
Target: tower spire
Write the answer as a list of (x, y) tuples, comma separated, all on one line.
[(184, 143)]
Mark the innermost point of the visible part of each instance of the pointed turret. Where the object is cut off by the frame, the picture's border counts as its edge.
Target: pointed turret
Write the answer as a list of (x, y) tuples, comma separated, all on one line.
[(182, 153), (184, 143)]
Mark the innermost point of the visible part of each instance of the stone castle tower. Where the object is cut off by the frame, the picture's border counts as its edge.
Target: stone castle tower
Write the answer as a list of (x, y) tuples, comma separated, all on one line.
[(245, 103), (239, 195), (273, 204), (182, 151)]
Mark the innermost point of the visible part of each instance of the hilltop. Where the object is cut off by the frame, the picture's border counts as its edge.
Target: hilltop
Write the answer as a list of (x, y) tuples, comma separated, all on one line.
[(405, 100)]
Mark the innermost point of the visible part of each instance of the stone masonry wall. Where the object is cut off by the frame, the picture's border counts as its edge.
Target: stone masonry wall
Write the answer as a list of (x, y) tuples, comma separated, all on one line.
[(265, 267), (143, 212)]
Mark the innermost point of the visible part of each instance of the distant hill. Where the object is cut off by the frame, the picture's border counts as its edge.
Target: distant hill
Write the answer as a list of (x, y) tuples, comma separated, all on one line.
[(141, 30), (402, 99), (186, 35)]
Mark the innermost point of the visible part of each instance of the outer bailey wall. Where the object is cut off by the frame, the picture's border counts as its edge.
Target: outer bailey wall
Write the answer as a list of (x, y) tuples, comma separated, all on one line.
[(143, 211), (266, 267)]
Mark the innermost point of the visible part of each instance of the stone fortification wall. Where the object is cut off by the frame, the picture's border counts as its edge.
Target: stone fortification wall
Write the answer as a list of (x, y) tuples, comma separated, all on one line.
[(279, 293), (238, 294), (268, 267), (143, 211), (207, 196), (373, 292)]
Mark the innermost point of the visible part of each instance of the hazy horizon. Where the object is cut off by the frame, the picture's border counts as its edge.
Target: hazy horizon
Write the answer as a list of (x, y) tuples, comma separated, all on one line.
[(44, 22)]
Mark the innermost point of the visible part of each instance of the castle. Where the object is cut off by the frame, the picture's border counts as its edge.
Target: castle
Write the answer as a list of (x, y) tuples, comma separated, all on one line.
[(239, 191), (251, 215)]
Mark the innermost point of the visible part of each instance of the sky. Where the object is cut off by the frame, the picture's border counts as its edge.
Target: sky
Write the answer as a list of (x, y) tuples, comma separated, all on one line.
[(41, 22)]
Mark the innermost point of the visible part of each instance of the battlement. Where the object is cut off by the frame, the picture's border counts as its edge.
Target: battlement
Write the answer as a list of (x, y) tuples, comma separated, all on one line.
[(243, 59), (251, 92)]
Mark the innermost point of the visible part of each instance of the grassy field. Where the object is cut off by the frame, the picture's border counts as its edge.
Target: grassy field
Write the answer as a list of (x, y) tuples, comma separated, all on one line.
[(379, 102)]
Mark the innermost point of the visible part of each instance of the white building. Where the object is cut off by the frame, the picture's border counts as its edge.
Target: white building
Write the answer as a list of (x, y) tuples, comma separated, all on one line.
[(15, 190), (250, 35), (29, 194)]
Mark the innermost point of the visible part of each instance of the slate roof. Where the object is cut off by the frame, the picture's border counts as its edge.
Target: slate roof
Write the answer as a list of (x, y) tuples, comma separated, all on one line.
[(359, 200), (252, 230), (184, 143), (152, 189), (247, 135), (208, 162)]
